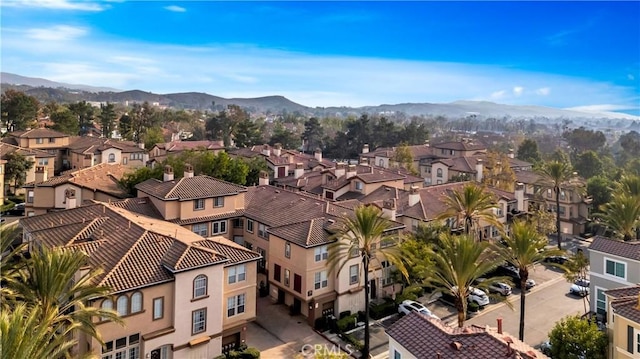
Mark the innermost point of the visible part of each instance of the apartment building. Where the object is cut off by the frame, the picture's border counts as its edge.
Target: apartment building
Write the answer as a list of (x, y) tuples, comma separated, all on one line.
[(179, 294), (69, 190), (282, 161), (39, 158), (44, 139), (86, 151), (161, 151), (623, 318), (613, 264)]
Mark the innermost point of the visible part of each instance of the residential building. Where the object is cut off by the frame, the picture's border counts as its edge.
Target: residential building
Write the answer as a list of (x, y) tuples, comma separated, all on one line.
[(2, 163), (613, 264), (161, 151), (179, 294), (44, 139), (417, 336), (623, 318), (87, 151), (39, 158), (70, 189)]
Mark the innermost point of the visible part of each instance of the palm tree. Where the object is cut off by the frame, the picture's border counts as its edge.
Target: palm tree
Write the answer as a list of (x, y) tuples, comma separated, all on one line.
[(630, 184), (523, 248), (11, 262), (365, 235), (49, 282), (557, 176), (458, 262), (622, 215), (577, 267), (471, 204)]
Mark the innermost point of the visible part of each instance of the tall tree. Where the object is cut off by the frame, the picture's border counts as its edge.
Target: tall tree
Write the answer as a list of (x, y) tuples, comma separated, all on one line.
[(523, 248), (286, 138), (528, 151), (470, 205), (498, 172), (364, 234), (107, 119), (84, 113), (599, 189), (558, 177), (458, 262), (223, 125), (19, 110), (248, 133), (313, 134), (577, 267), (622, 215), (152, 136), (404, 158), (125, 126), (574, 337), (414, 133), (65, 121), (581, 140), (588, 164), (16, 169)]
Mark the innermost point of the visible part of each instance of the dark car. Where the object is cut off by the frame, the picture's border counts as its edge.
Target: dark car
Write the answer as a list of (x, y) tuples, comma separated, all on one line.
[(556, 259), (509, 270)]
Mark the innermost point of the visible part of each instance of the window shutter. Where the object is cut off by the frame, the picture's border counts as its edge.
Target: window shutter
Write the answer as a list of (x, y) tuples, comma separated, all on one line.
[(630, 339)]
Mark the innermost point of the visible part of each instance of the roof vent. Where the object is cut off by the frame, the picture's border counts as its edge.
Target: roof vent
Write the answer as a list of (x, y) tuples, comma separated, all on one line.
[(456, 346)]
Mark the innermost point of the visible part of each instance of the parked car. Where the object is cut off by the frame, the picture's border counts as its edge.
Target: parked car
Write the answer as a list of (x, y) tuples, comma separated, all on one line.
[(509, 270), (580, 287), (478, 296), (408, 306), (556, 259), (17, 210), (496, 287)]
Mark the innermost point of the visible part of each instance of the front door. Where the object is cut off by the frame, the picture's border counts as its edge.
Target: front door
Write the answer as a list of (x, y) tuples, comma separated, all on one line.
[(373, 291), (280, 296), (297, 306)]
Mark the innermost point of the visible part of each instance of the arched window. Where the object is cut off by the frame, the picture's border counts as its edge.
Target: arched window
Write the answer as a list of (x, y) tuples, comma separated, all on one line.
[(439, 172), (112, 158), (107, 304), (136, 302), (122, 305), (200, 286)]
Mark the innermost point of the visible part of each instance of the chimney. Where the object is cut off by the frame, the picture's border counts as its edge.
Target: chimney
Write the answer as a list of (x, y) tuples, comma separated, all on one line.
[(499, 325), (168, 173), (277, 149), (266, 151), (141, 145), (299, 171), (41, 174), (414, 195), (351, 171), (264, 179), (511, 153), (365, 148), (364, 161), (188, 170), (479, 170), (318, 155), (341, 169), (389, 209), (519, 193), (70, 200)]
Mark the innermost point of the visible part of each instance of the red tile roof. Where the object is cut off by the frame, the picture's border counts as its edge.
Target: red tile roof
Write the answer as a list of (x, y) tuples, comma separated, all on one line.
[(626, 302), (630, 249), (188, 188), (38, 133)]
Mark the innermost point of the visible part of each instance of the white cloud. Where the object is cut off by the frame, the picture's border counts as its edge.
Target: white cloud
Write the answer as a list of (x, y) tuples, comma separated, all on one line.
[(56, 33), (498, 94), (175, 8), (543, 91), (517, 90), (56, 4)]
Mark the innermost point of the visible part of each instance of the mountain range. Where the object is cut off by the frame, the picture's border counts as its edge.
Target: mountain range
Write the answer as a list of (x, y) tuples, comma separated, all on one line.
[(46, 90)]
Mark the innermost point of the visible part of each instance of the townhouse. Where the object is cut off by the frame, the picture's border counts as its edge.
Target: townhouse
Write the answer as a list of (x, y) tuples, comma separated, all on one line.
[(69, 190), (613, 264), (44, 139), (39, 158), (86, 151), (623, 318), (417, 336), (179, 294), (283, 162), (161, 151)]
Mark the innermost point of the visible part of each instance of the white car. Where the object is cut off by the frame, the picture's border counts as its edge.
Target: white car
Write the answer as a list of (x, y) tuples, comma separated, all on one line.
[(499, 287), (477, 296), (580, 287), (409, 306)]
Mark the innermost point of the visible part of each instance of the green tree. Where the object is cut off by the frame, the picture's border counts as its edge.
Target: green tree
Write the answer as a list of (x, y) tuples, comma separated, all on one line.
[(414, 133), (16, 169), (364, 234), (84, 113), (458, 262), (577, 267), (129, 180), (152, 136), (630, 184), (404, 158), (574, 337), (10, 263), (588, 164), (223, 125), (248, 133), (598, 187), (528, 151), (256, 165), (523, 248), (142, 118), (65, 121), (19, 110), (622, 216), (558, 177), (125, 126), (286, 138), (581, 140), (313, 134), (498, 172), (630, 144), (470, 205), (107, 119)]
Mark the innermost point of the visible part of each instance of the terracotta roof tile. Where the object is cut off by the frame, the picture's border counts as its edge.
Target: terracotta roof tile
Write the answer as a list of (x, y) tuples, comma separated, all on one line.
[(216, 217), (140, 205), (233, 251), (305, 234), (630, 249), (102, 177), (6, 148), (38, 133), (188, 188)]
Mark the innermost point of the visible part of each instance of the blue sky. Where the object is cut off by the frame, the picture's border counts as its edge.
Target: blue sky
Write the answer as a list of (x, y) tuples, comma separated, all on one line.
[(582, 55)]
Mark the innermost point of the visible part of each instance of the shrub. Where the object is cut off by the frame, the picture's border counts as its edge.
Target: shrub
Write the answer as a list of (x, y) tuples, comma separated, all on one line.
[(347, 323), (473, 307), (346, 313), (8, 205), (378, 311), (361, 317), (250, 353), (353, 341), (221, 356)]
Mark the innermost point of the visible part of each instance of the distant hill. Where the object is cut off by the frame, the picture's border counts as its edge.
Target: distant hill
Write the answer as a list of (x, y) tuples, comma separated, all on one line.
[(45, 90)]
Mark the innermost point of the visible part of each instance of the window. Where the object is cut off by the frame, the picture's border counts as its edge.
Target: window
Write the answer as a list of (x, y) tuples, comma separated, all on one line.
[(219, 227), (287, 250), (112, 158), (387, 278), (614, 268), (249, 226), (563, 195), (200, 228), (198, 204), (124, 160), (638, 342), (52, 140), (320, 280), (122, 348), (158, 308), (237, 223), (135, 156), (287, 277), (359, 186), (262, 263), (43, 162), (199, 286), (601, 301), (235, 305), (297, 283), (439, 182), (122, 305), (353, 274), (136, 302), (380, 162), (277, 272), (29, 196), (218, 202), (396, 354), (354, 252), (162, 352), (107, 304), (237, 274), (39, 141), (262, 230), (321, 253), (439, 172), (548, 193), (198, 321)]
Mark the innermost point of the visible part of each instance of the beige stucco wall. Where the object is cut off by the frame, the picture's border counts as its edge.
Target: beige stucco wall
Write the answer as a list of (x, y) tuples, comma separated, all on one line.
[(434, 173), (247, 287), (58, 193), (117, 155), (619, 337)]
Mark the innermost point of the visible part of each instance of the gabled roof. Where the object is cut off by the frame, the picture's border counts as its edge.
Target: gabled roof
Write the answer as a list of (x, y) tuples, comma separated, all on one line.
[(177, 146), (626, 302), (38, 133), (629, 249), (188, 188), (102, 177), (305, 234), (88, 145), (426, 337), (461, 145), (235, 252), (6, 148)]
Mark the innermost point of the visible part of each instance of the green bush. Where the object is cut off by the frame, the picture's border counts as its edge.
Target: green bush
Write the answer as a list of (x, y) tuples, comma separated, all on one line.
[(347, 323), (221, 356), (378, 311), (410, 293), (8, 205), (473, 307), (353, 341), (250, 353)]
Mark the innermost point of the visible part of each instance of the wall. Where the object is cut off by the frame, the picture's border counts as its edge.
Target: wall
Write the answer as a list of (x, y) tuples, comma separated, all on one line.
[(248, 287), (619, 337), (434, 173), (60, 198), (394, 346), (117, 154)]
